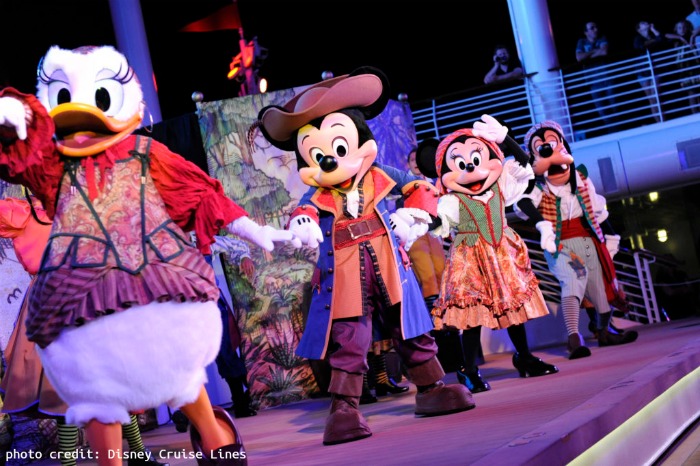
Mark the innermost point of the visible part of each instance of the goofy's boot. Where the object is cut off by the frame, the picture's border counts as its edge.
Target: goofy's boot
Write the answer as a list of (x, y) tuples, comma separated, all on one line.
[(345, 423), (434, 397), (607, 338)]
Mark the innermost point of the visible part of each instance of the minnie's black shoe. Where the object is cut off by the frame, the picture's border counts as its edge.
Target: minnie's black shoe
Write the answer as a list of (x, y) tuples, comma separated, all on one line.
[(531, 366), (472, 380)]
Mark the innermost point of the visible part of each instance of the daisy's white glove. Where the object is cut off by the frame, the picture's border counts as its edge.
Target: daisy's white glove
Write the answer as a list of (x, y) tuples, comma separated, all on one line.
[(547, 236), (263, 236), (490, 129), (306, 231), (13, 114)]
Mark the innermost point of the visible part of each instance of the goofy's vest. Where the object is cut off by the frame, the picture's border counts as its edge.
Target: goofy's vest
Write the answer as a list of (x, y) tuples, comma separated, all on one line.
[(550, 208)]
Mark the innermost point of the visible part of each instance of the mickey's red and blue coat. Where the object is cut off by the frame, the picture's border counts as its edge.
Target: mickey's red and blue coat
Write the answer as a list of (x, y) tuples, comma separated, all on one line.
[(338, 280)]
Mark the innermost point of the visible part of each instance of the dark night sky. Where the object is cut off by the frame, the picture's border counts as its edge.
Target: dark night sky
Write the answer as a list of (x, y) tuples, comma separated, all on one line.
[(427, 49)]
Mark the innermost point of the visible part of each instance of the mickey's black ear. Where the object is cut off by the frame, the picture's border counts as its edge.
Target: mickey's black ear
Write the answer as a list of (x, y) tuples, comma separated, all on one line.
[(377, 107), (425, 157)]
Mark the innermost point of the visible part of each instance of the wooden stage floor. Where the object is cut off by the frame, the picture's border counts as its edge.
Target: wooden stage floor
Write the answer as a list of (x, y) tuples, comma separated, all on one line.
[(547, 420)]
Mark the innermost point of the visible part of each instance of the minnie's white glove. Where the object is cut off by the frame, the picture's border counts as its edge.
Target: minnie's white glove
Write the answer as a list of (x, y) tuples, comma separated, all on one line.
[(612, 244), (306, 230), (263, 236), (547, 236), (407, 227), (12, 114), (490, 129)]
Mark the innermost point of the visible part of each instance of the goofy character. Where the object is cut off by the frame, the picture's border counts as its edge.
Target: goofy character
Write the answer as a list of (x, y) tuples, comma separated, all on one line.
[(362, 269), (577, 239)]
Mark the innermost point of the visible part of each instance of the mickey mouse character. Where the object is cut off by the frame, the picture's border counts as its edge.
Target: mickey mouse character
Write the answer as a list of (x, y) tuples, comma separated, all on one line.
[(123, 310), (362, 269), (579, 251), (488, 280)]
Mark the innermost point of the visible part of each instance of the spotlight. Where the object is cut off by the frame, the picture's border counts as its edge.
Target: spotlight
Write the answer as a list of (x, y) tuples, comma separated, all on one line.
[(662, 235)]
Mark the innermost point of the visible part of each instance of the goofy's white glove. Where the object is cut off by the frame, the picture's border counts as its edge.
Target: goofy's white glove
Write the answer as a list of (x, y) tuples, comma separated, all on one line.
[(263, 236), (612, 244), (306, 231), (13, 114), (490, 129), (547, 236)]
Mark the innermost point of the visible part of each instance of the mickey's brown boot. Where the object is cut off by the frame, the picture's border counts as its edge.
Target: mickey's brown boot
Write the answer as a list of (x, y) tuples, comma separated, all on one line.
[(345, 422)]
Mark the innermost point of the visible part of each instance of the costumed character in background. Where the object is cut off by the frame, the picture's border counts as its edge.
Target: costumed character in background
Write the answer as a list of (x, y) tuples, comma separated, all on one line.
[(26, 390), (123, 309), (488, 280), (361, 269), (577, 239)]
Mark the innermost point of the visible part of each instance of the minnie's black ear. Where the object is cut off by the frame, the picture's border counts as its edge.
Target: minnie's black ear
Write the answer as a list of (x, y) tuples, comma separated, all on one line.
[(377, 107), (425, 157)]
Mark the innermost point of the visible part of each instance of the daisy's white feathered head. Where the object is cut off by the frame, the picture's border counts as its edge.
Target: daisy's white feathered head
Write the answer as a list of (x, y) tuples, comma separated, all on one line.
[(93, 96)]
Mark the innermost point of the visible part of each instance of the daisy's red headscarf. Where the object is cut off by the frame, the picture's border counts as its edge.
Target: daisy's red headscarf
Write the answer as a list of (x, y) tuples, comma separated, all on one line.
[(445, 143)]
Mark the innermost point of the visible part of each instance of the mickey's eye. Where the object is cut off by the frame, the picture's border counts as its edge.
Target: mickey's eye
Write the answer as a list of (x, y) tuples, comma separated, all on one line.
[(340, 147), (316, 154)]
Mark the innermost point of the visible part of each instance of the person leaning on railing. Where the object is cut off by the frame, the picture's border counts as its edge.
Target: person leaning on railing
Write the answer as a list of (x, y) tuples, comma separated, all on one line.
[(504, 66)]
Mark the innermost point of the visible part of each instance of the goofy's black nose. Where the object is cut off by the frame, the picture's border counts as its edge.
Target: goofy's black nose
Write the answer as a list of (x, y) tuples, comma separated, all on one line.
[(546, 151)]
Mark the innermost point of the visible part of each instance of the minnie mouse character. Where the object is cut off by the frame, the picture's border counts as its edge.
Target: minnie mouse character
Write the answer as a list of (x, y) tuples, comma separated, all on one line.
[(488, 280), (362, 269), (579, 251), (123, 309)]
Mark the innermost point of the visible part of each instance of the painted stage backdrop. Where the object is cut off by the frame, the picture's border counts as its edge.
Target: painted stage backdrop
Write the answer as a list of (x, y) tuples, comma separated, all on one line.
[(264, 180)]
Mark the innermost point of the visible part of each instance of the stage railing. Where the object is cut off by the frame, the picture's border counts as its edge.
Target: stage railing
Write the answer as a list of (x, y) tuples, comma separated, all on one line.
[(646, 89)]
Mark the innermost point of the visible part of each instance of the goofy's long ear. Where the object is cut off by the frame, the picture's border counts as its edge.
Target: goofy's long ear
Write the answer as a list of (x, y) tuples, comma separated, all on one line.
[(425, 157)]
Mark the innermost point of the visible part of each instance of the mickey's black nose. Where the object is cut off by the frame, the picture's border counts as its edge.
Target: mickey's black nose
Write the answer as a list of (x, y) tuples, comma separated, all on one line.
[(328, 163)]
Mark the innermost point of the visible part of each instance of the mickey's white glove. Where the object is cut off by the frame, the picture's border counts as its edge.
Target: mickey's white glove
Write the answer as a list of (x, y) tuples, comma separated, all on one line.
[(306, 230), (547, 236), (612, 244), (12, 114), (490, 129), (415, 232), (263, 236)]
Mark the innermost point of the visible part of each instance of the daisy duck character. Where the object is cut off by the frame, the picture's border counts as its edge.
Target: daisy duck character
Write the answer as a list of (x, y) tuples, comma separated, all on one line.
[(488, 280), (123, 310), (362, 268), (577, 239)]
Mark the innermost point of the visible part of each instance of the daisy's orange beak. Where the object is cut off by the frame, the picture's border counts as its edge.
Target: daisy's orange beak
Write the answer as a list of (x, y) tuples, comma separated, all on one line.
[(83, 130)]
